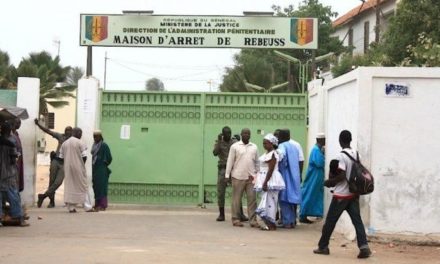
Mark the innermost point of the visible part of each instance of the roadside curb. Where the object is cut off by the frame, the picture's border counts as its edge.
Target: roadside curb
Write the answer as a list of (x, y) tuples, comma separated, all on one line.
[(411, 240), (162, 207)]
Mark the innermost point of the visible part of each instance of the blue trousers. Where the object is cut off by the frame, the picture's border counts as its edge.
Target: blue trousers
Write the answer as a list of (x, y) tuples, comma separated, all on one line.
[(13, 197), (288, 213)]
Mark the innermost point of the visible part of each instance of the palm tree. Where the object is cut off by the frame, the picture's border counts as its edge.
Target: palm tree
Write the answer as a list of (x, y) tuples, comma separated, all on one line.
[(74, 75), (6, 70), (52, 77)]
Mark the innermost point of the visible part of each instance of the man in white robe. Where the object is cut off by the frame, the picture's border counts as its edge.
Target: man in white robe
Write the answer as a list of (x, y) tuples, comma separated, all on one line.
[(73, 151)]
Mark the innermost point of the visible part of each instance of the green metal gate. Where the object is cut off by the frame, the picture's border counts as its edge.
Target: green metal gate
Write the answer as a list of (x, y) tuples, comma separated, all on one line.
[(168, 158), (8, 97)]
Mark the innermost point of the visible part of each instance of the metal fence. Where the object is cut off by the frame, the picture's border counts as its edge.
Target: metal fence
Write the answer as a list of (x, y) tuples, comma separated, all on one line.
[(168, 158)]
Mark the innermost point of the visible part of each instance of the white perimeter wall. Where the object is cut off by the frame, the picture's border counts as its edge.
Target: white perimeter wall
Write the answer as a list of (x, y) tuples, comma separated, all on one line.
[(316, 120), (397, 138), (28, 95), (88, 119), (405, 147)]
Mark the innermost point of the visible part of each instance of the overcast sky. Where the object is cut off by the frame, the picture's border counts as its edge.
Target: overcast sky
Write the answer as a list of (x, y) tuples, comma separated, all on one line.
[(31, 26)]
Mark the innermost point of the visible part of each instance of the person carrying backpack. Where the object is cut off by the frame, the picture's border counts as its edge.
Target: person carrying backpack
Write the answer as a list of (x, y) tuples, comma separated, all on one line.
[(343, 200)]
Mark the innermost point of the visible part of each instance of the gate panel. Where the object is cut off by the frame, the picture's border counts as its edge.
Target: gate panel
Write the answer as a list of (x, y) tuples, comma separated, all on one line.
[(157, 164), (261, 113), (8, 97), (168, 158)]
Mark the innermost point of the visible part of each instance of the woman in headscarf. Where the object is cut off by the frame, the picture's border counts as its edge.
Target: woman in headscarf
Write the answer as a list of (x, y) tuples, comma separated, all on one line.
[(101, 159), (269, 181)]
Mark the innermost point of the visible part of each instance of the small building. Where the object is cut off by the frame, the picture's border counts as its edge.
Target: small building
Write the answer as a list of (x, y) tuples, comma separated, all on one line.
[(358, 28), (59, 118)]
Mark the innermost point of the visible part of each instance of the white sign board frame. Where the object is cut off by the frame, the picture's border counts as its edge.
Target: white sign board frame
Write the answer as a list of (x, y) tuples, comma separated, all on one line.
[(172, 31)]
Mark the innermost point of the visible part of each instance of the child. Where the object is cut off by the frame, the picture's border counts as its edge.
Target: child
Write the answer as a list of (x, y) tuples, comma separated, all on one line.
[(334, 168), (334, 171)]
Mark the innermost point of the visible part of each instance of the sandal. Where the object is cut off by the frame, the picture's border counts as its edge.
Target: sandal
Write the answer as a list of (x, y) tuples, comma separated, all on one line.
[(266, 228), (237, 223), (255, 225)]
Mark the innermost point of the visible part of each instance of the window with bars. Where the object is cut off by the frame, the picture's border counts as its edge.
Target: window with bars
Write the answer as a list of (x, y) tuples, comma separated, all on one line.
[(350, 39), (50, 117), (366, 36)]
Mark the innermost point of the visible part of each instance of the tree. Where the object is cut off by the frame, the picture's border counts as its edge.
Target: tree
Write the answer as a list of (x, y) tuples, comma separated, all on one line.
[(255, 66), (74, 75), (406, 42), (412, 19), (154, 84), (263, 68), (426, 53), (52, 79), (6, 71), (324, 14)]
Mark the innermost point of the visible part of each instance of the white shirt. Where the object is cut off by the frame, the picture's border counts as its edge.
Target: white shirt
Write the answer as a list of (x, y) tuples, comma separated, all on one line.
[(299, 148), (345, 164), (242, 161)]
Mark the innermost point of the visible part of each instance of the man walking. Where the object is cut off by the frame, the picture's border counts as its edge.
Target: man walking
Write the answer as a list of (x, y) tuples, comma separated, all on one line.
[(73, 151), (242, 167), (312, 190), (343, 200), (56, 171)]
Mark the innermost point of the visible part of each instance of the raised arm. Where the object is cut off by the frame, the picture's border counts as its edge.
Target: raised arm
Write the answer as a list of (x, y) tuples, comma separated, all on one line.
[(45, 130)]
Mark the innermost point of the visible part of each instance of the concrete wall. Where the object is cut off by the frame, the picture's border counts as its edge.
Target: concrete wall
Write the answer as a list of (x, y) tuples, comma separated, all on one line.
[(88, 118), (316, 117), (28, 94), (396, 137)]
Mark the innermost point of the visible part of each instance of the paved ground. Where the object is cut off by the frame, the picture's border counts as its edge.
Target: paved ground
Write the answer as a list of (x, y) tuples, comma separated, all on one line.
[(176, 235)]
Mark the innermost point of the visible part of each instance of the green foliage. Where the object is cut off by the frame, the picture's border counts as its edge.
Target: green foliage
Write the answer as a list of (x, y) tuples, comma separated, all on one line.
[(425, 53), (263, 68), (74, 75), (348, 62), (412, 19), (52, 78), (6, 71), (399, 45), (154, 84), (324, 14)]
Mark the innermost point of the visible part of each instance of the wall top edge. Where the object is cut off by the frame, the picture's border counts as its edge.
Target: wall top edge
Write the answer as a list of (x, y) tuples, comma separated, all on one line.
[(366, 73), (202, 93)]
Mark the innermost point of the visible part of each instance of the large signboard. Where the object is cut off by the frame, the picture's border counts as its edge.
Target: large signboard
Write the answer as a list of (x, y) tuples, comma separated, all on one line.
[(198, 31)]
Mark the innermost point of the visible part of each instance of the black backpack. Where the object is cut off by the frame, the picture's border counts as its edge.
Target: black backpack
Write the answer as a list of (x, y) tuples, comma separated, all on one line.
[(361, 181)]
